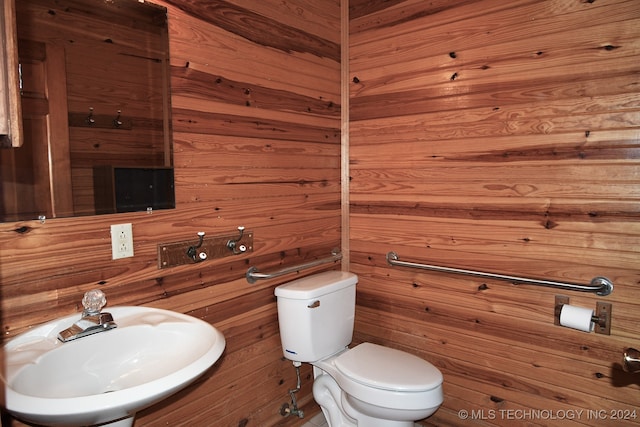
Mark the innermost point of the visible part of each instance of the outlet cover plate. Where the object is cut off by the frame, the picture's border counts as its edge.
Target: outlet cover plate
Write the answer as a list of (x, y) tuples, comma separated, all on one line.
[(121, 241)]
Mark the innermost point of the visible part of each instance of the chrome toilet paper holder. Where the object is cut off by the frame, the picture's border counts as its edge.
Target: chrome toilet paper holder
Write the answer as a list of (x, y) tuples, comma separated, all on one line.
[(601, 318)]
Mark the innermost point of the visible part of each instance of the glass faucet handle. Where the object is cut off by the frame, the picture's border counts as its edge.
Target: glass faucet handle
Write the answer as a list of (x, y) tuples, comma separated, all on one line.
[(93, 301)]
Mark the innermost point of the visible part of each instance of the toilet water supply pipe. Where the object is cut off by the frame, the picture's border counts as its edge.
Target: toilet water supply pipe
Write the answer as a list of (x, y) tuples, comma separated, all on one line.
[(285, 410)]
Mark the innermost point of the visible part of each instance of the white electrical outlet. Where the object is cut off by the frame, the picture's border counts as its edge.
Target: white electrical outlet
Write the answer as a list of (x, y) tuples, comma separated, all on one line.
[(121, 241)]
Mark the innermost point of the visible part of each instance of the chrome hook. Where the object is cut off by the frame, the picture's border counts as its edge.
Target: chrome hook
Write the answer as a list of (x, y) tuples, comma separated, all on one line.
[(90, 120), (117, 122), (233, 244), (192, 252)]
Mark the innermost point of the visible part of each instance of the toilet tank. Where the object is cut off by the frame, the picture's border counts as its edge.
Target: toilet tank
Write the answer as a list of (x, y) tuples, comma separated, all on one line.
[(316, 315)]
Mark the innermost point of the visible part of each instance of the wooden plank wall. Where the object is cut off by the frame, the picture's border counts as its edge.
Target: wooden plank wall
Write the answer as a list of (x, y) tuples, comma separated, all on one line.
[(256, 120), (499, 136)]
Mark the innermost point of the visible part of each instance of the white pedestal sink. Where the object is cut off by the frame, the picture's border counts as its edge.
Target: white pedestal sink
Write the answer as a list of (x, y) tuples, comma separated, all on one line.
[(109, 376)]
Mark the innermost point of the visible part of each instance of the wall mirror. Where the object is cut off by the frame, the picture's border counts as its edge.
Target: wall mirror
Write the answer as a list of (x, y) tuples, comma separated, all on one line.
[(95, 95)]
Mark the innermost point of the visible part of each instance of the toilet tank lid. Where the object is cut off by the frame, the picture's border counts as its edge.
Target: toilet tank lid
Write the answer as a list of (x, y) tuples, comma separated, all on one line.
[(316, 285)]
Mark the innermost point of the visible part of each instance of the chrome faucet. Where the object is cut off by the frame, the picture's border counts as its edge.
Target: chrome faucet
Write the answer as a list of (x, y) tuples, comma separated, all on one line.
[(631, 360), (92, 320)]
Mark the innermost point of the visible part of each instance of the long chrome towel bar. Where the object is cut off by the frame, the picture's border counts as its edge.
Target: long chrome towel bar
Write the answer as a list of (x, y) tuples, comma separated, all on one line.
[(253, 275), (599, 285)]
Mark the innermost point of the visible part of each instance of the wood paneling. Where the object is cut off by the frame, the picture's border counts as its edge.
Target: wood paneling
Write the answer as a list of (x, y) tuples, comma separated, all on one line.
[(499, 136), (256, 120)]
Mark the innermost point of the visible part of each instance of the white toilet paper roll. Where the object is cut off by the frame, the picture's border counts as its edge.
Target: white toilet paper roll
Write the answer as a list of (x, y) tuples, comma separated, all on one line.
[(576, 317)]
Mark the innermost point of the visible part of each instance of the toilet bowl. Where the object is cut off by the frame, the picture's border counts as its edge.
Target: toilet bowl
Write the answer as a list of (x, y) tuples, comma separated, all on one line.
[(368, 385), (379, 386)]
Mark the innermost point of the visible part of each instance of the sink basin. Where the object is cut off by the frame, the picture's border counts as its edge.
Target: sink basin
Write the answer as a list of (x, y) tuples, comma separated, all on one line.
[(109, 376)]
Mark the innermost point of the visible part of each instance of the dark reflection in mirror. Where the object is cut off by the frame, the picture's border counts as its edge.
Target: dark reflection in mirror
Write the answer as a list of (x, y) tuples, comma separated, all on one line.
[(95, 106)]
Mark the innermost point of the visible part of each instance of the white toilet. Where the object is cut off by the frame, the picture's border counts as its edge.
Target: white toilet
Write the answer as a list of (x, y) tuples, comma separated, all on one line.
[(368, 385)]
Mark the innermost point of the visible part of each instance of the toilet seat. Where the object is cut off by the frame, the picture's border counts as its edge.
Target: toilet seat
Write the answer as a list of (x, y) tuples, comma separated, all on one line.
[(388, 378), (388, 369)]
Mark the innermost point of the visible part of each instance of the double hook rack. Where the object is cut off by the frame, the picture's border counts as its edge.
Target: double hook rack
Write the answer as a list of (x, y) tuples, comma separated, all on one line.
[(99, 121), (187, 252), (233, 245)]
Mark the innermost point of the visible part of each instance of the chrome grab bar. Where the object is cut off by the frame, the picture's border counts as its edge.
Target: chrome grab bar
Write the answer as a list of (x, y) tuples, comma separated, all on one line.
[(253, 275), (599, 285)]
